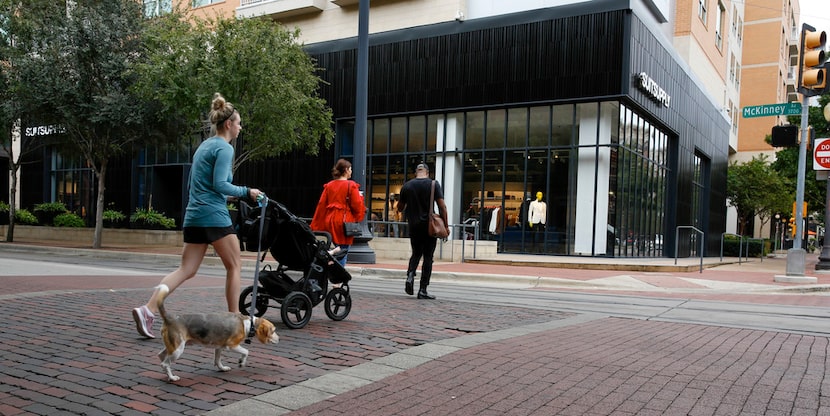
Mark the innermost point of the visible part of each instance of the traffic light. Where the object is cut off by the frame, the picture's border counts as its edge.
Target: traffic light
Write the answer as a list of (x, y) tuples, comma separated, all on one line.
[(812, 74), (792, 227), (785, 136)]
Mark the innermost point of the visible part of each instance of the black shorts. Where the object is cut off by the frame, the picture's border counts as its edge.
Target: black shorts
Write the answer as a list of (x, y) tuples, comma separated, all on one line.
[(205, 235)]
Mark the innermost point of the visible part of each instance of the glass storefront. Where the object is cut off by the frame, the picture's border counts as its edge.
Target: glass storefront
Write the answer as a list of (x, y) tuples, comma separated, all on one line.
[(73, 183), (597, 172)]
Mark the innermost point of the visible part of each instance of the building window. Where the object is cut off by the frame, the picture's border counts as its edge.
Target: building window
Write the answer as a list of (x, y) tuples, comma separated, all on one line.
[(719, 28), (73, 184), (738, 76), (200, 3), (701, 10), (153, 8)]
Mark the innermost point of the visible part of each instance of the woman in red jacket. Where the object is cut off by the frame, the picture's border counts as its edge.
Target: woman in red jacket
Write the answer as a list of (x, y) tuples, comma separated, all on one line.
[(340, 202)]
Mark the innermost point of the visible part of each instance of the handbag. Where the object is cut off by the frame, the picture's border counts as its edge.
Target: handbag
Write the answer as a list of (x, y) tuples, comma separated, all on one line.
[(437, 228), (351, 229)]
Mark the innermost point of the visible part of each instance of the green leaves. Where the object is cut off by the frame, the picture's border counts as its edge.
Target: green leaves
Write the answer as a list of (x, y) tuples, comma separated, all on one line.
[(754, 188), (258, 65)]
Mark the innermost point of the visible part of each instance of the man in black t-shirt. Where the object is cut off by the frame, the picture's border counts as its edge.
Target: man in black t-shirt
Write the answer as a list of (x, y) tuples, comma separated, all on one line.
[(414, 203)]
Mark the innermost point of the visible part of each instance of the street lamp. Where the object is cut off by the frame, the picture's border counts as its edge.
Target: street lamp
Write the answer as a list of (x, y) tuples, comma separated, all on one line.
[(824, 257), (777, 230)]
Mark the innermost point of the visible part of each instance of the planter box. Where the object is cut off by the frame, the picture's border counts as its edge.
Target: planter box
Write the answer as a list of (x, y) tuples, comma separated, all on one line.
[(109, 236)]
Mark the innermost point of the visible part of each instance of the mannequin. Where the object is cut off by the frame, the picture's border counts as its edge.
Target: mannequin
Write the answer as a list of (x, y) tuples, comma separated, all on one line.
[(537, 214)]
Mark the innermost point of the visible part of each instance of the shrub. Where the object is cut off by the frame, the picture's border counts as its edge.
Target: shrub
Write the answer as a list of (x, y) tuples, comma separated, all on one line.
[(58, 207), (114, 218), (68, 219), (756, 247), (4, 213), (147, 218), (24, 217), (112, 215), (47, 211)]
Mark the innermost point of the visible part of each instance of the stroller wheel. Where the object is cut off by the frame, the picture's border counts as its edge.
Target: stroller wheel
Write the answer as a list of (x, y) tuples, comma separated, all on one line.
[(338, 304), (246, 297), (296, 310)]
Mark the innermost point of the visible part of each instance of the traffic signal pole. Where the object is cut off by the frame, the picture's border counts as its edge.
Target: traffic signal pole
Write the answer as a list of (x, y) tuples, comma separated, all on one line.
[(811, 82), (796, 255)]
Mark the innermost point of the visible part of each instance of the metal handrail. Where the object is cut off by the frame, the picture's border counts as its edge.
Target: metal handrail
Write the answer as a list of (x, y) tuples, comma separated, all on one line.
[(463, 237), (454, 235), (761, 242), (740, 246), (677, 243)]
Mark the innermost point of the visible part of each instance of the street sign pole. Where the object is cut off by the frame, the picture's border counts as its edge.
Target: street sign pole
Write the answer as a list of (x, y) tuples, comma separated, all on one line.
[(796, 255)]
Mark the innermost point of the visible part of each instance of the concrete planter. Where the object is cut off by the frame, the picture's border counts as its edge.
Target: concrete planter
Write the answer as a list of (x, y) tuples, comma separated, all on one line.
[(110, 236)]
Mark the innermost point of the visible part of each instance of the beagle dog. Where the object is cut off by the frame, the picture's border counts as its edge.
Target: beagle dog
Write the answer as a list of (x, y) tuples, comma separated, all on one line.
[(223, 331)]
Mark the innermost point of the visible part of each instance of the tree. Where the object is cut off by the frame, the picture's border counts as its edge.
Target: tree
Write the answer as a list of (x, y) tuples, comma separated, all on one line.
[(76, 70), (755, 189), (15, 26), (255, 63)]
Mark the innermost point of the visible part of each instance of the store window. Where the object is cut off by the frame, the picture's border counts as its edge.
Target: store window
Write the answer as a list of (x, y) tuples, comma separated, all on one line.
[(594, 173), (73, 183), (641, 185)]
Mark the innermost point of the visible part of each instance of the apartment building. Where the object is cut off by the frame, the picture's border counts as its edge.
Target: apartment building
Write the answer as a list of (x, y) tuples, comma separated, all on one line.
[(708, 34), (770, 56)]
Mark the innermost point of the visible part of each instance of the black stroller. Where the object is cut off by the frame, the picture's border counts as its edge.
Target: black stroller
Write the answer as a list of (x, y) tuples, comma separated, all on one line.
[(296, 249)]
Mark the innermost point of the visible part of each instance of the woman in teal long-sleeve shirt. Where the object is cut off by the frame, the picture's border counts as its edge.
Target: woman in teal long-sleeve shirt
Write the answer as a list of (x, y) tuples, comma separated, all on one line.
[(206, 219)]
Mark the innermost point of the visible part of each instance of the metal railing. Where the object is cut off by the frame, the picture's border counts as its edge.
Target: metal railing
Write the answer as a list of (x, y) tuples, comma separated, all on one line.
[(677, 243), (741, 253), (740, 246), (463, 238), (247, 2), (396, 229)]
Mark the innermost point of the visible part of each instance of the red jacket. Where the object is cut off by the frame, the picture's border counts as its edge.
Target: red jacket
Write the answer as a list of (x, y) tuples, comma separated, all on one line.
[(333, 208)]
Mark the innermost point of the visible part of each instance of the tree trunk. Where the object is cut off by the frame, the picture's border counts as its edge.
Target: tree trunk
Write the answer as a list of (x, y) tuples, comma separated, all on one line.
[(13, 169), (99, 206)]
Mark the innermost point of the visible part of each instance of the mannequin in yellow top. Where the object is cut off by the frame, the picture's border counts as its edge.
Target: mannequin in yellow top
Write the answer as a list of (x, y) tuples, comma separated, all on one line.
[(537, 212)]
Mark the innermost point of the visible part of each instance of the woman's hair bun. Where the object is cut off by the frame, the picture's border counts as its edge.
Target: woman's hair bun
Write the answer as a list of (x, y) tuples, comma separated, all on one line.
[(218, 102)]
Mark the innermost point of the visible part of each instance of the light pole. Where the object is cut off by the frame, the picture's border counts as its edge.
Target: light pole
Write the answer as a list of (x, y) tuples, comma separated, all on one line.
[(360, 252), (777, 230)]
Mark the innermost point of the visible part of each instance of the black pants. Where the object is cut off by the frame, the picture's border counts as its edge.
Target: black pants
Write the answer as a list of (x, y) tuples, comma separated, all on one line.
[(422, 246), (537, 233)]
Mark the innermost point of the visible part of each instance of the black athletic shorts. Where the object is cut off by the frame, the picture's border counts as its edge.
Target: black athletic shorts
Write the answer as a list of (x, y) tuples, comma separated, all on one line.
[(205, 235)]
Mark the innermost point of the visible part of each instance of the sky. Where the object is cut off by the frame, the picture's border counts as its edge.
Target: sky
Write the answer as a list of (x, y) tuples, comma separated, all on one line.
[(815, 13)]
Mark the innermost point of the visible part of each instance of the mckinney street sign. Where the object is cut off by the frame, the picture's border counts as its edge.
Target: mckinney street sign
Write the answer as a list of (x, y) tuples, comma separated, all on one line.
[(769, 110)]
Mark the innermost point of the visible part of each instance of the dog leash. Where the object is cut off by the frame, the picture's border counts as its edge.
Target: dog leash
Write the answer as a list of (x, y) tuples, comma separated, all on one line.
[(262, 200)]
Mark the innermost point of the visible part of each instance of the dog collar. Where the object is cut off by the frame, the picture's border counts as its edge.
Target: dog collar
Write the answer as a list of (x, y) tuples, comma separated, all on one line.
[(251, 331)]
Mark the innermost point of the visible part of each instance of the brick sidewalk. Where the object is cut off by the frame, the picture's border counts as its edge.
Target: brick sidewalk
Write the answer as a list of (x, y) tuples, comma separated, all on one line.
[(77, 350), (68, 345), (604, 367)]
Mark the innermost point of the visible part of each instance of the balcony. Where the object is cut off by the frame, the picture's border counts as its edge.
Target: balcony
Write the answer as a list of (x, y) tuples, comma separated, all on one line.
[(342, 3), (279, 8), (790, 83)]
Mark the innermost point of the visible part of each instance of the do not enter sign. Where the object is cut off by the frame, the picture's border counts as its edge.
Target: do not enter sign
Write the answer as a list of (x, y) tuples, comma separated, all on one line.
[(821, 154)]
